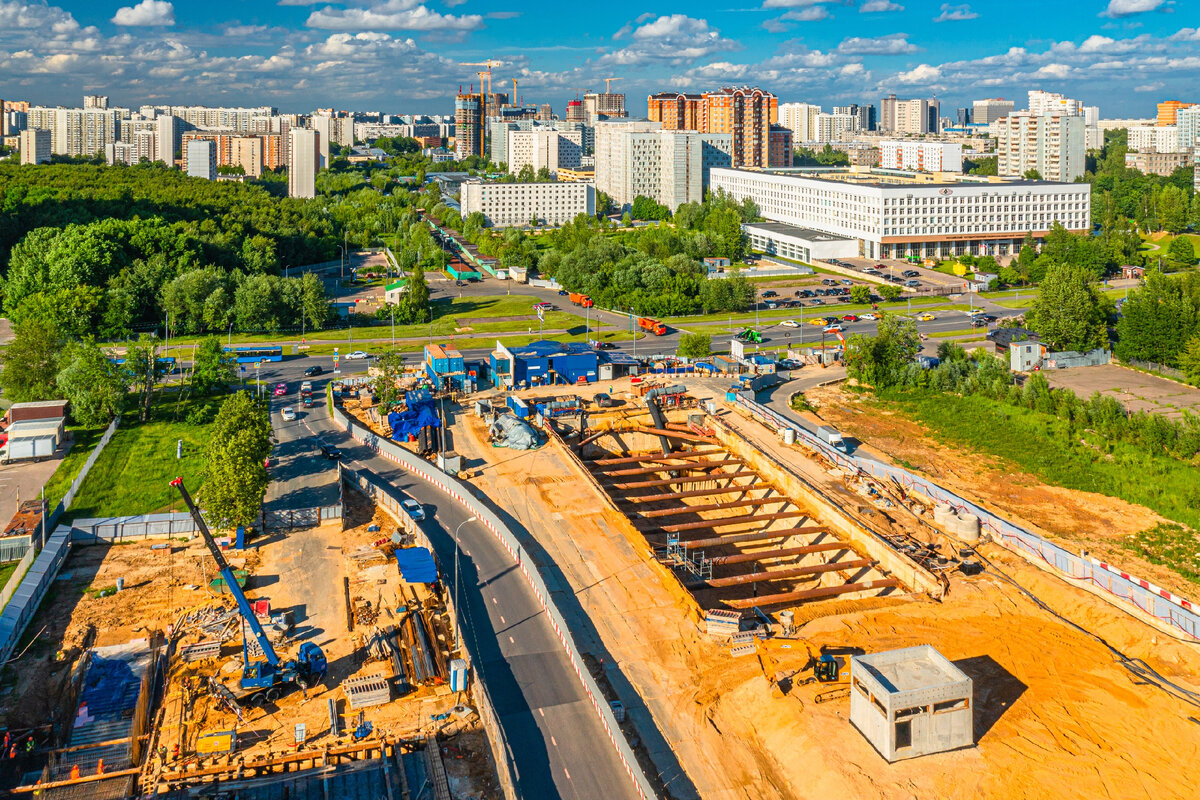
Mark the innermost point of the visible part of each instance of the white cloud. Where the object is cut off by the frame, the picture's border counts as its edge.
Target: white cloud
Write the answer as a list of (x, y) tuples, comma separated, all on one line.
[(145, 14), (775, 26), (1148, 87), (890, 45), (1125, 8), (953, 13), (922, 74), (391, 15), (671, 38), (878, 6), (790, 3), (1186, 35), (1053, 71), (810, 14)]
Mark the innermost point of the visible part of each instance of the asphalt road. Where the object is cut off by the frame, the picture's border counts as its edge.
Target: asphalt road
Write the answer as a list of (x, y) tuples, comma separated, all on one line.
[(560, 748)]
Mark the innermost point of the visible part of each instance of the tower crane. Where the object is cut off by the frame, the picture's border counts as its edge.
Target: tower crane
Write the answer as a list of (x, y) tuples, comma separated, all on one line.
[(514, 97), (489, 63), (608, 84)]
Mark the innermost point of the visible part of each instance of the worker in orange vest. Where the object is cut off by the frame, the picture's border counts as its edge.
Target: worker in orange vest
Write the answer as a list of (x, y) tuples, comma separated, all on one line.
[(75, 772), (100, 767)]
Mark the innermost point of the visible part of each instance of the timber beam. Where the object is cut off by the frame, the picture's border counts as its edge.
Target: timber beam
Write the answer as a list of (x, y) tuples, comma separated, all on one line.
[(756, 536), (790, 572), (712, 476), (650, 498), (686, 509), (671, 467), (655, 459), (779, 552), (812, 594), (745, 519)]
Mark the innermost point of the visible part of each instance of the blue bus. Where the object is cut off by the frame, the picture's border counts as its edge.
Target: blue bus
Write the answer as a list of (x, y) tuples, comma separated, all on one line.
[(166, 364), (249, 355)]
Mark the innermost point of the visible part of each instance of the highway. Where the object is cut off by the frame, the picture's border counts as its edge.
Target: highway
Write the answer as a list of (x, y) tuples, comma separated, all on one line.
[(560, 748)]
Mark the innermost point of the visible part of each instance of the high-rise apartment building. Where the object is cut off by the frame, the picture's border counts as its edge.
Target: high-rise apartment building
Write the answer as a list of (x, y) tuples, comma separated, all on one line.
[(919, 156), (304, 162), (887, 113), (912, 116), (247, 152), (676, 111), (801, 119), (1155, 139), (120, 153), (1187, 128), (864, 116), (781, 146), (1053, 145), (542, 148), (1167, 110), (168, 138), (832, 127), (202, 159), (511, 204), (545, 112), (933, 121), (744, 113), (468, 124), (671, 167), (1053, 103), (598, 105), (95, 101), (77, 131), (574, 111), (962, 116), (324, 126), (985, 112), (34, 144)]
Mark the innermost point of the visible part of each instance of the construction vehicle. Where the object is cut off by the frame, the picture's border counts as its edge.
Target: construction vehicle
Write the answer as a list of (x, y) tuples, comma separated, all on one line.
[(265, 680), (581, 300), (826, 667), (652, 325), (750, 335)]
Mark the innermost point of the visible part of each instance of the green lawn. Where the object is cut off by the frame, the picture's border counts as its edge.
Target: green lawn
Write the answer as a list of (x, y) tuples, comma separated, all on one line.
[(6, 571), (1043, 445), (770, 316), (86, 440), (132, 473), (1162, 241)]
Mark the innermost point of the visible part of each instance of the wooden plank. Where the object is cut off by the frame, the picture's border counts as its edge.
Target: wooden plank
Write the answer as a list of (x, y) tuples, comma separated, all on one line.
[(686, 509), (713, 476), (745, 519), (41, 787), (813, 594), (671, 467), (790, 572), (756, 536), (655, 459), (780, 552), (650, 498)]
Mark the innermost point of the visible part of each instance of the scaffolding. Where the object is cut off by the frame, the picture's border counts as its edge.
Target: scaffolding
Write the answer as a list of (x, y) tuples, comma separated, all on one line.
[(697, 565)]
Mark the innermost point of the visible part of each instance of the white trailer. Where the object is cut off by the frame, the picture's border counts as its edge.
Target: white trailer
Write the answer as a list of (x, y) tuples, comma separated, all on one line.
[(20, 448)]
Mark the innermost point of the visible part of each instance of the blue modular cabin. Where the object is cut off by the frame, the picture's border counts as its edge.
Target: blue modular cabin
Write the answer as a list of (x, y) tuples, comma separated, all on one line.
[(543, 363)]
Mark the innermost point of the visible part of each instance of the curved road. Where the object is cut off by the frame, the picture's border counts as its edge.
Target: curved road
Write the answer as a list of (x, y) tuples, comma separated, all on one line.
[(559, 746)]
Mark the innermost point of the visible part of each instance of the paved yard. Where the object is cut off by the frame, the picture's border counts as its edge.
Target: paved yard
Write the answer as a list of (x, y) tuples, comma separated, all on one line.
[(1137, 391), (25, 479)]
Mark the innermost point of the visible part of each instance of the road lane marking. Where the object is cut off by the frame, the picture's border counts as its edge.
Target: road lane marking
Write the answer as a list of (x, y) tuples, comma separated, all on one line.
[(510, 640), (502, 622), (567, 772), (553, 741)]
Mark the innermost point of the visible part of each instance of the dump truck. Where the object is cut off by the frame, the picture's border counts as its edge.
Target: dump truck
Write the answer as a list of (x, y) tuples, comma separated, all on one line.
[(832, 437), (652, 325), (581, 300)]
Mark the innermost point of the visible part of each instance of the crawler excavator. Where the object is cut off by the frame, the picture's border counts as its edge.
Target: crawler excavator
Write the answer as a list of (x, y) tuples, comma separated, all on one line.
[(831, 668)]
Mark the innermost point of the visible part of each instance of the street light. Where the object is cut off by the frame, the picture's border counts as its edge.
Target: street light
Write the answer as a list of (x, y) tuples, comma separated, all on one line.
[(229, 343), (457, 611)]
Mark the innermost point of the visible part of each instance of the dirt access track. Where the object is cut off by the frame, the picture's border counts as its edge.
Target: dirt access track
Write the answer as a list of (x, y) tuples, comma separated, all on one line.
[(1135, 390), (1055, 714)]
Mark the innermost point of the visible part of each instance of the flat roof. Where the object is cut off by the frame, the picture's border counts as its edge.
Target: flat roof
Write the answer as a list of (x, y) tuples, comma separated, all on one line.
[(40, 404), (892, 179), (808, 234), (911, 668)]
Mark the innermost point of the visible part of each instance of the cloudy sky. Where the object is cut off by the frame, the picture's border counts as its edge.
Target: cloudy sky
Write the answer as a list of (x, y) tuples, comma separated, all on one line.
[(403, 55)]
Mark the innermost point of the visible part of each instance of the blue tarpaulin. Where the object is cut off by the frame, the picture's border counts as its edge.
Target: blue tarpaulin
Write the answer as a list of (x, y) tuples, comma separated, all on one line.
[(416, 565)]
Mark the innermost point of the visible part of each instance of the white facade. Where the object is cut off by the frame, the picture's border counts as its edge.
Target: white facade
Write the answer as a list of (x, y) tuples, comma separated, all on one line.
[(798, 244), (78, 131), (671, 167), (168, 138), (1052, 103), (120, 153), (830, 127), (543, 148), (304, 161), (1055, 146), (324, 128), (247, 152), (517, 204), (987, 111), (921, 156), (801, 120), (202, 159), (35, 146), (1157, 138), (1187, 123), (940, 218), (912, 116)]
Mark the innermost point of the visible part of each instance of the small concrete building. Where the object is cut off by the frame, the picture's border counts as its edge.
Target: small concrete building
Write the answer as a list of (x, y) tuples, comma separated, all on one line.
[(911, 702), (1025, 356), (799, 244)]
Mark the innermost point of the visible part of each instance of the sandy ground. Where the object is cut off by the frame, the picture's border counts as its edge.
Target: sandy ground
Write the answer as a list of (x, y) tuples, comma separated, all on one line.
[(1135, 390), (1080, 520), (1055, 715)]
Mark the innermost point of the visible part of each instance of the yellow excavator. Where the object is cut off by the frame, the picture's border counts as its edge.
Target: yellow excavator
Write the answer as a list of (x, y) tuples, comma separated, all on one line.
[(829, 665)]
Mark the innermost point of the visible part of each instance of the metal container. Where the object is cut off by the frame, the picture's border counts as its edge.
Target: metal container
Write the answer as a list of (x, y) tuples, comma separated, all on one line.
[(789, 435), (458, 675)]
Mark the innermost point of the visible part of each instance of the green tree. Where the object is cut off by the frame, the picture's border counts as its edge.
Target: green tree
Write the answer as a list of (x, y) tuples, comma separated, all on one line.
[(213, 369), (31, 361), (1180, 252), (144, 371), (526, 174), (860, 293), (235, 475), (1032, 175), (695, 345), (880, 360), (1158, 318), (1069, 313), (1172, 209), (96, 386), (387, 385), (983, 166), (73, 309), (1189, 359), (888, 292), (414, 304)]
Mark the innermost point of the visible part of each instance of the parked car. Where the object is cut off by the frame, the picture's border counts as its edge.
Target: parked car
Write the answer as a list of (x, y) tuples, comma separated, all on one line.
[(563, 293), (911, 273), (280, 389), (312, 372), (603, 400), (914, 283), (288, 413), (413, 508), (926, 317), (770, 293), (355, 356), (816, 301), (833, 328), (846, 282), (871, 317), (816, 321), (772, 305), (542, 305), (850, 318), (330, 452), (598, 345), (790, 323)]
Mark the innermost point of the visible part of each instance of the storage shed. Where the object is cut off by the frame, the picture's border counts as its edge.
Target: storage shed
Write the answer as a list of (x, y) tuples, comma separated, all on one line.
[(911, 702)]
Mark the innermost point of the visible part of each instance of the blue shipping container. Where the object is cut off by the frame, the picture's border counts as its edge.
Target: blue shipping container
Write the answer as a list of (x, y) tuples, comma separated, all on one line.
[(518, 406)]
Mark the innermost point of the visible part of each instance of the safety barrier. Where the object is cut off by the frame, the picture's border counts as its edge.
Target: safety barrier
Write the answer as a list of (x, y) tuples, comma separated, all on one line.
[(375, 488), (15, 579), (31, 590), (458, 491), (1163, 606)]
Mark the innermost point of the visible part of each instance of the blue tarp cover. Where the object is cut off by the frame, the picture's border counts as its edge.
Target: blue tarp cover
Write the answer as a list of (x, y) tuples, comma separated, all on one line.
[(416, 565)]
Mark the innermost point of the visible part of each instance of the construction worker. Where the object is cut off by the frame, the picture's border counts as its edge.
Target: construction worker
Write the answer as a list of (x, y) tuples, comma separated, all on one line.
[(162, 754), (100, 767), (74, 772), (175, 752)]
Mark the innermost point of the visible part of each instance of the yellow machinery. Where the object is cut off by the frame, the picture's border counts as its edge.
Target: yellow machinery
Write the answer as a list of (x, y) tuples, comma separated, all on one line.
[(826, 667)]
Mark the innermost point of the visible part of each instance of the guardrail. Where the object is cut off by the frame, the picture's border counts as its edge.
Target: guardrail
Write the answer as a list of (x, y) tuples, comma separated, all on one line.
[(31, 590), (14, 580), (1163, 606), (459, 492), (373, 487)]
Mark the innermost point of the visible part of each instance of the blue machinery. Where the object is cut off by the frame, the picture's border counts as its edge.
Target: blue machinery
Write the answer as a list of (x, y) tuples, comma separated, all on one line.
[(261, 680)]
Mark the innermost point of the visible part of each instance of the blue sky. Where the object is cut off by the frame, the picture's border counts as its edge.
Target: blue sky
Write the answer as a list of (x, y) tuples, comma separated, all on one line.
[(403, 55)]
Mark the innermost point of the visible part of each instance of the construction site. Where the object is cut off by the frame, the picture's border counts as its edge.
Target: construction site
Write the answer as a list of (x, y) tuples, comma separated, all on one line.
[(730, 575), (145, 674)]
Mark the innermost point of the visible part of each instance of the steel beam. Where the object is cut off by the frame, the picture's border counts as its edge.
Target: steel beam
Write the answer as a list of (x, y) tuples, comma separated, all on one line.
[(812, 594), (686, 436), (686, 509), (779, 552), (745, 519), (653, 459), (790, 572), (712, 476), (757, 536), (650, 498), (669, 467)]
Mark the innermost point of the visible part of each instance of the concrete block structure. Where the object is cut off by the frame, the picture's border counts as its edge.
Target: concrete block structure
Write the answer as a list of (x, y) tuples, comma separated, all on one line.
[(798, 244), (511, 204), (911, 702)]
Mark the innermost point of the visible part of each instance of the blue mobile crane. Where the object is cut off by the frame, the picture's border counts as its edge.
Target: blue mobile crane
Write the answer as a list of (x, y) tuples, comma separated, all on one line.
[(264, 680)]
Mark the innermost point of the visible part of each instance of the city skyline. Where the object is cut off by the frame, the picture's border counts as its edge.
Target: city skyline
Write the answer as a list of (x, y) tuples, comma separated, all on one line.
[(402, 56)]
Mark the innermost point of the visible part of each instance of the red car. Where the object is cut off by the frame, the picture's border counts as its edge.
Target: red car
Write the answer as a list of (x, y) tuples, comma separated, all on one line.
[(280, 389), (850, 318)]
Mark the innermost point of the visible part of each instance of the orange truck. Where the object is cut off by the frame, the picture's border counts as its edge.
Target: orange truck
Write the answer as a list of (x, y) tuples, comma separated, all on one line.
[(580, 299), (652, 325)]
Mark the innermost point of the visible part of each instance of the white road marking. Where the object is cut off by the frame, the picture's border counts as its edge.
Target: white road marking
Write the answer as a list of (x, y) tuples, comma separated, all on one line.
[(553, 741), (510, 640), (502, 622), (543, 713), (567, 772)]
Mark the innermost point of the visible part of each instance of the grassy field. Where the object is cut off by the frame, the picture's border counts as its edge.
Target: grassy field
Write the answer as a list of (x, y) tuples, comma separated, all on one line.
[(1042, 445), (131, 474), (6, 571), (86, 440), (771, 316), (1159, 242)]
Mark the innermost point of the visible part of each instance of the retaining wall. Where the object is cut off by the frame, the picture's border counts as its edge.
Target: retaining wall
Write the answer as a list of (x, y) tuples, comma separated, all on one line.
[(460, 493), (31, 590), (1156, 605)]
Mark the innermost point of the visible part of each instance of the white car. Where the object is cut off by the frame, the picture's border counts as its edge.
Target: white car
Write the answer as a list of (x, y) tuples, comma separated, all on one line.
[(869, 316), (413, 508), (790, 323), (357, 354), (836, 326), (288, 413)]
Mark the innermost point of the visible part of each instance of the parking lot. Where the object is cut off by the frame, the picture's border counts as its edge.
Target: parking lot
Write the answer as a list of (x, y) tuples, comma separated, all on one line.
[(902, 273), (1135, 390)]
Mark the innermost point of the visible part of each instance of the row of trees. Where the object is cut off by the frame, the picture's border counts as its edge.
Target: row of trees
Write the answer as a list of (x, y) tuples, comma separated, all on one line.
[(1160, 323)]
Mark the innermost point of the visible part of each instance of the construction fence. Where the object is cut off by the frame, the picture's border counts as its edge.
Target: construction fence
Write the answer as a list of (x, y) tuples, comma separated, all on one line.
[(1118, 586), (382, 494), (460, 493), (29, 593)]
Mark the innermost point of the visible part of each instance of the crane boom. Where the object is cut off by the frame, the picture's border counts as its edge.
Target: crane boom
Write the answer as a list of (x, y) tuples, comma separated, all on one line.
[(227, 574)]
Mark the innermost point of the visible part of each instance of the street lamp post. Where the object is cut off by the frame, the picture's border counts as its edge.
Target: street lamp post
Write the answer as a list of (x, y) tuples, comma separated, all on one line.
[(457, 611), (341, 262), (229, 343)]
